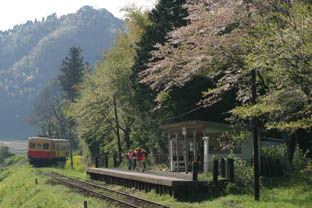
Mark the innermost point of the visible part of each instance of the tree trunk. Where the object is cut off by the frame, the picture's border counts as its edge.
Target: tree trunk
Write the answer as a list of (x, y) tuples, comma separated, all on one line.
[(117, 132), (255, 138), (127, 137), (291, 147)]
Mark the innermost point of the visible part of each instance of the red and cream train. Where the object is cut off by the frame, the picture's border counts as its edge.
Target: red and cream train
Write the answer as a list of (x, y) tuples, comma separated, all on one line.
[(45, 151)]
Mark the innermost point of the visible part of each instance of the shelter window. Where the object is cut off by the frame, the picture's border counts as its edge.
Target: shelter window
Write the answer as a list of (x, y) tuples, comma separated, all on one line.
[(32, 145), (191, 146), (45, 146), (38, 146)]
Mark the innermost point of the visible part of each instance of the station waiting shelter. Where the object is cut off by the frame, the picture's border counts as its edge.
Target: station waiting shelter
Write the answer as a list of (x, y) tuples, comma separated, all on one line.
[(197, 141)]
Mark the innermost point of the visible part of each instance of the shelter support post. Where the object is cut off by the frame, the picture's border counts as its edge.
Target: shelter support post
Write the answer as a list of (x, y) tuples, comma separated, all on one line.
[(195, 165), (170, 147), (177, 151), (184, 132), (206, 154), (194, 145)]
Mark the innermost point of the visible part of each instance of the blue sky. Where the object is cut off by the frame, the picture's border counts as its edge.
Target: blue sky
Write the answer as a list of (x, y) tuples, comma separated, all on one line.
[(14, 12)]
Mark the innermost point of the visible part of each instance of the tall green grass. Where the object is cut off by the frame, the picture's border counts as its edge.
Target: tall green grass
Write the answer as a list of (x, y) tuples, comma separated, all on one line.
[(19, 190)]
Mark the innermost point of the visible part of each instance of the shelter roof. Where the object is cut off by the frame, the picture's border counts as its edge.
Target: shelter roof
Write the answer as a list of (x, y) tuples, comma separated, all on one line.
[(207, 126)]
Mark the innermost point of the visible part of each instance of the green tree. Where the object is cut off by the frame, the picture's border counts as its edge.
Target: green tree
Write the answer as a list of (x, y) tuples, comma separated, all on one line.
[(259, 49), (4, 153), (213, 45), (72, 72), (166, 16), (48, 113), (94, 110), (282, 46)]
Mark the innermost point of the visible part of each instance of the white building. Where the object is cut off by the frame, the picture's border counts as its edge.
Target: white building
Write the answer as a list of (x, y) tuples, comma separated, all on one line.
[(186, 142)]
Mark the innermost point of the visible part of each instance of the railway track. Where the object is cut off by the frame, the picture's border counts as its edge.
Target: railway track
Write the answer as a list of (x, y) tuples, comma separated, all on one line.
[(121, 199)]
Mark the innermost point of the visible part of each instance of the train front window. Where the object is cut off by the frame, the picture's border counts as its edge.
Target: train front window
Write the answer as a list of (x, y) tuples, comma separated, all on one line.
[(38, 146), (32, 145), (45, 146)]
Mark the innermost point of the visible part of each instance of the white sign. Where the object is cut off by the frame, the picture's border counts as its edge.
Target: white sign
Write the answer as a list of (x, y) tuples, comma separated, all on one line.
[(184, 130)]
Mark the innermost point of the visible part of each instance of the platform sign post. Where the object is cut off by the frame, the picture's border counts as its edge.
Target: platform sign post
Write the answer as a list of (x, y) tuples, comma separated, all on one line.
[(206, 154), (171, 156)]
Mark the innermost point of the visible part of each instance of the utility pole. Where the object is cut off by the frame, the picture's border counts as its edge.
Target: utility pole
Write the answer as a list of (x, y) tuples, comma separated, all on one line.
[(71, 146), (254, 123), (255, 136), (117, 131)]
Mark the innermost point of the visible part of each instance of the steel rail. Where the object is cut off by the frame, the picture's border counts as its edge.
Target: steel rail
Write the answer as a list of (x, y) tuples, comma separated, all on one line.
[(120, 192), (93, 192), (111, 190)]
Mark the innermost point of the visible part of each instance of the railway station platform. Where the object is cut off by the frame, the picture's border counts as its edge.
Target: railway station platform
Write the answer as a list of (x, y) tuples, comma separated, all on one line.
[(177, 184)]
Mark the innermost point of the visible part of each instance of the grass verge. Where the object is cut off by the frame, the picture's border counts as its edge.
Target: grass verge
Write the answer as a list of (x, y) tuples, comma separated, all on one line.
[(19, 190)]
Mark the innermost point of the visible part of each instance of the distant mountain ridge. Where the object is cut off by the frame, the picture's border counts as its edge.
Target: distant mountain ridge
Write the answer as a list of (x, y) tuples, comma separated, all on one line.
[(31, 54)]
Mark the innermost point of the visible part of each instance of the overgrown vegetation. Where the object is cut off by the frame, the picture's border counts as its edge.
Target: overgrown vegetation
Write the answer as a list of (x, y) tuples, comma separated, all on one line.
[(301, 159), (4, 153), (19, 190), (275, 167), (79, 164), (274, 161), (244, 175)]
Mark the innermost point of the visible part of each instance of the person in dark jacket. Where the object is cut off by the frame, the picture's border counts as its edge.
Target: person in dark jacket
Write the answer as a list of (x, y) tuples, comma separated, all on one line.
[(144, 159), (134, 160), (129, 157)]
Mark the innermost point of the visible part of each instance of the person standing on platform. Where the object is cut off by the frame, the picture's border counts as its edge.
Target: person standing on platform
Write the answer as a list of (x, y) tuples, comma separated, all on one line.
[(129, 157), (139, 158), (134, 159), (144, 159)]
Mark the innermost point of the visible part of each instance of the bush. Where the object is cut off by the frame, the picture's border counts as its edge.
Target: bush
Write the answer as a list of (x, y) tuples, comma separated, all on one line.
[(78, 163), (274, 151), (233, 188), (307, 171), (4, 153), (273, 161), (300, 159), (244, 177), (244, 173), (15, 160)]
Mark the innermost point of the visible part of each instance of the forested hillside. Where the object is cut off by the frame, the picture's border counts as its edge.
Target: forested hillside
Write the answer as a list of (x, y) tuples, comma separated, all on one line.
[(31, 55)]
